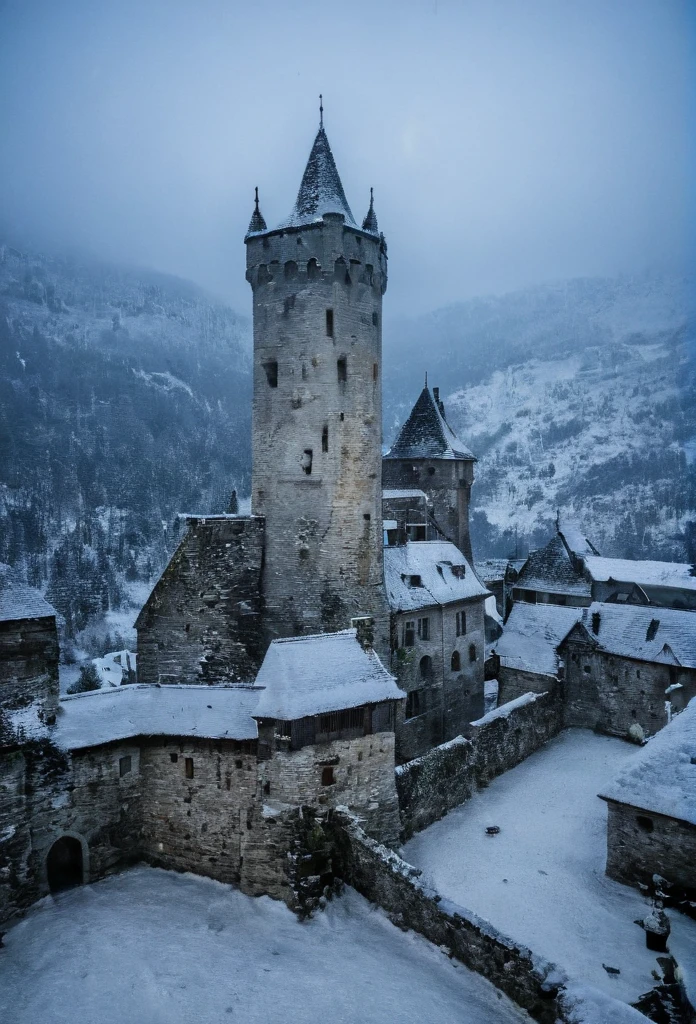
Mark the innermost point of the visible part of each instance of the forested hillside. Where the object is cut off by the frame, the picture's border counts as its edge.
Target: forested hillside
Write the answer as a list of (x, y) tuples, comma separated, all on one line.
[(124, 399)]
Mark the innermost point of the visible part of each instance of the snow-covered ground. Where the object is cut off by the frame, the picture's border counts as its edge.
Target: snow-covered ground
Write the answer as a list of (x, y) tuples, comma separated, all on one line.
[(541, 879), (154, 947)]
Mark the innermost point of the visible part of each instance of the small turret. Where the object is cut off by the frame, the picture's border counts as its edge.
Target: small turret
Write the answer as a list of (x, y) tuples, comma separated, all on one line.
[(370, 222), (257, 223)]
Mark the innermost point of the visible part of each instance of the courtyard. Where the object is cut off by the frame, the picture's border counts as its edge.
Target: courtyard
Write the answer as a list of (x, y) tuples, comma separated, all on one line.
[(541, 878), (155, 947)]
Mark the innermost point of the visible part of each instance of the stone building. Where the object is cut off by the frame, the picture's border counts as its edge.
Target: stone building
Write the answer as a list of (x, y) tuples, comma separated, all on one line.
[(527, 653), (218, 780), (627, 669), (556, 574), (438, 641), (651, 824)]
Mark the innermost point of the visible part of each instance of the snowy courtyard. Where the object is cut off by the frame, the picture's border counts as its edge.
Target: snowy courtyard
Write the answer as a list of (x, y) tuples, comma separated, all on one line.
[(541, 878), (154, 947)]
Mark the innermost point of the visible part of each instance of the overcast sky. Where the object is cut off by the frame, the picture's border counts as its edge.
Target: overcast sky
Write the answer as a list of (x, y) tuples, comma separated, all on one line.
[(509, 142)]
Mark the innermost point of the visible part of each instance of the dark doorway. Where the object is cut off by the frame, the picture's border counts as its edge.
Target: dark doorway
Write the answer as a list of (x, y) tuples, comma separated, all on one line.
[(64, 864)]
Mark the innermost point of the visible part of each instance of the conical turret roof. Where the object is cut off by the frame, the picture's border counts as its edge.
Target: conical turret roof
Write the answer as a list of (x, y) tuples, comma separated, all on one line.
[(257, 223), (370, 222), (321, 190), (426, 434)]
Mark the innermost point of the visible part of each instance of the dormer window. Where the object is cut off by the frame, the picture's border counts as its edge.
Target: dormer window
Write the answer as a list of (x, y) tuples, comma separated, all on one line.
[(414, 580)]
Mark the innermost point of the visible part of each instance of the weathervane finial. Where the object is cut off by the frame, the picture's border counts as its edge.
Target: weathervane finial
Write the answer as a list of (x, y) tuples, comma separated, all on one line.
[(321, 111)]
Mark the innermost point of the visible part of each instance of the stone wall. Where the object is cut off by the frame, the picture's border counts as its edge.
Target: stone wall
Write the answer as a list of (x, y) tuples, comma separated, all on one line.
[(440, 780), (611, 694), (362, 770), (641, 844), (28, 671), (202, 621), (449, 699), (513, 682)]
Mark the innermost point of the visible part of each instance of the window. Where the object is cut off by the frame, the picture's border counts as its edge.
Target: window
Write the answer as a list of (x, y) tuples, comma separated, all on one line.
[(267, 788), (472, 652), (424, 628), (306, 461), (325, 439), (414, 581), (124, 765), (173, 758), (342, 369), (409, 634), (456, 662), (271, 369), (461, 623), (375, 320), (188, 767), (645, 823), (329, 323), (426, 667), (375, 371), (413, 703), (327, 776)]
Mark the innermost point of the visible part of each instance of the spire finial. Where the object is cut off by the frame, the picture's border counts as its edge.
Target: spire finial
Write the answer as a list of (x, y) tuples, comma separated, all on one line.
[(321, 111), (256, 198), (426, 378), (372, 196)]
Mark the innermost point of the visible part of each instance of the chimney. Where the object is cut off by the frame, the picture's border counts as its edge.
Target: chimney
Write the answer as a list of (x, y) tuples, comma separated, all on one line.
[(365, 630), (596, 619)]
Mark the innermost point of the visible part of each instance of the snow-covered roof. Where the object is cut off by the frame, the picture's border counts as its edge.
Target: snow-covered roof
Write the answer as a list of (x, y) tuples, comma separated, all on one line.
[(426, 434), (551, 571), (391, 493), (313, 675), (104, 716), (445, 575), (491, 569), (532, 634), (574, 537), (663, 778), (320, 190), (679, 575), (645, 633), (18, 600)]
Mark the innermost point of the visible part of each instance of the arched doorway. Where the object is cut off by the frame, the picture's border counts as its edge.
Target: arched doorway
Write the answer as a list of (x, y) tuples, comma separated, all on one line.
[(64, 864)]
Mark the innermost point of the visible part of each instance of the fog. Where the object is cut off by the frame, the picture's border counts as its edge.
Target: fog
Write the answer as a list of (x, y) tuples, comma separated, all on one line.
[(509, 142)]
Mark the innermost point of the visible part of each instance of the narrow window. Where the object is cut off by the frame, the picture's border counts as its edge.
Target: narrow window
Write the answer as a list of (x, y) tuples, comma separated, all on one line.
[(342, 417), (327, 777), (461, 623), (426, 667), (188, 767), (456, 662), (325, 439), (413, 704), (124, 765), (306, 461), (367, 517), (342, 369), (238, 764), (409, 634), (472, 652), (375, 371), (173, 758), (375, 320), (329, 323), (271, 369), (267, 788), (424, 629)]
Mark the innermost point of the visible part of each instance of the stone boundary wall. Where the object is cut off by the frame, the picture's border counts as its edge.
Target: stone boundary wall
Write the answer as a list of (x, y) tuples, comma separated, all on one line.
[(529, 980), (432, 785)]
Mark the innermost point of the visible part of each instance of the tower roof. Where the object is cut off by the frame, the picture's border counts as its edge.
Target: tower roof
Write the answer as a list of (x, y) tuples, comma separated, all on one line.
[(426, 434), (257, 222), (370, 222), (321, 190)]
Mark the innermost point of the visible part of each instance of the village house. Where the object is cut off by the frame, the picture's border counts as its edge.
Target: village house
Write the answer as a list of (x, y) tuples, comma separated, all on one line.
[(651, 824)]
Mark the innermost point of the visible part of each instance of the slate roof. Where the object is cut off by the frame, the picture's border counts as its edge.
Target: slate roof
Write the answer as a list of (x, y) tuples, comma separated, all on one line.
[(445, 575), (313, 675), (489, 570), (532, 634), (104, 716), (426, 434), (18, 600), (646, 633), (321, 190), (551, 570), (679, 575), (574, 537), (663, 778)]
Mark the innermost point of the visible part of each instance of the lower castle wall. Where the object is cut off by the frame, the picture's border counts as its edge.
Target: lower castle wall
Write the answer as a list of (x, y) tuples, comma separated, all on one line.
[(440, 780), (635, 854), (513, 682)]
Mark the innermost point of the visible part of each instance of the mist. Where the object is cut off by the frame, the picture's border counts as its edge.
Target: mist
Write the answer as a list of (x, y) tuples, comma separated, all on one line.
[(508, 143)]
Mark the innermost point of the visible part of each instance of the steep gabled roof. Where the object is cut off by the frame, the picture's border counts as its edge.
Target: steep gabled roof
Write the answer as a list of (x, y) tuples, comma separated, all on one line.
[(551, 571), (426, 434), (532, 634), (321, 190), (662, 635), (18, 600), (574, 538), (424, 573)]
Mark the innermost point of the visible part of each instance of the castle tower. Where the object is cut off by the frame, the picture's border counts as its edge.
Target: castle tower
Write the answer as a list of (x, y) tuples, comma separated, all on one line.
[(318, 281), (429, 456)]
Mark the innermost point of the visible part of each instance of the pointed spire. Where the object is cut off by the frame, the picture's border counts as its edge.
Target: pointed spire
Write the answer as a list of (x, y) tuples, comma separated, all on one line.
[(426, 434), (257, 223), (370, 222), (320, 190)]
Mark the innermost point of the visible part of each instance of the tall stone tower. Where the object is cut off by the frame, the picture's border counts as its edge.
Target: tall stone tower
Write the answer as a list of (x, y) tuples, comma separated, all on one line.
[(318, 281)]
